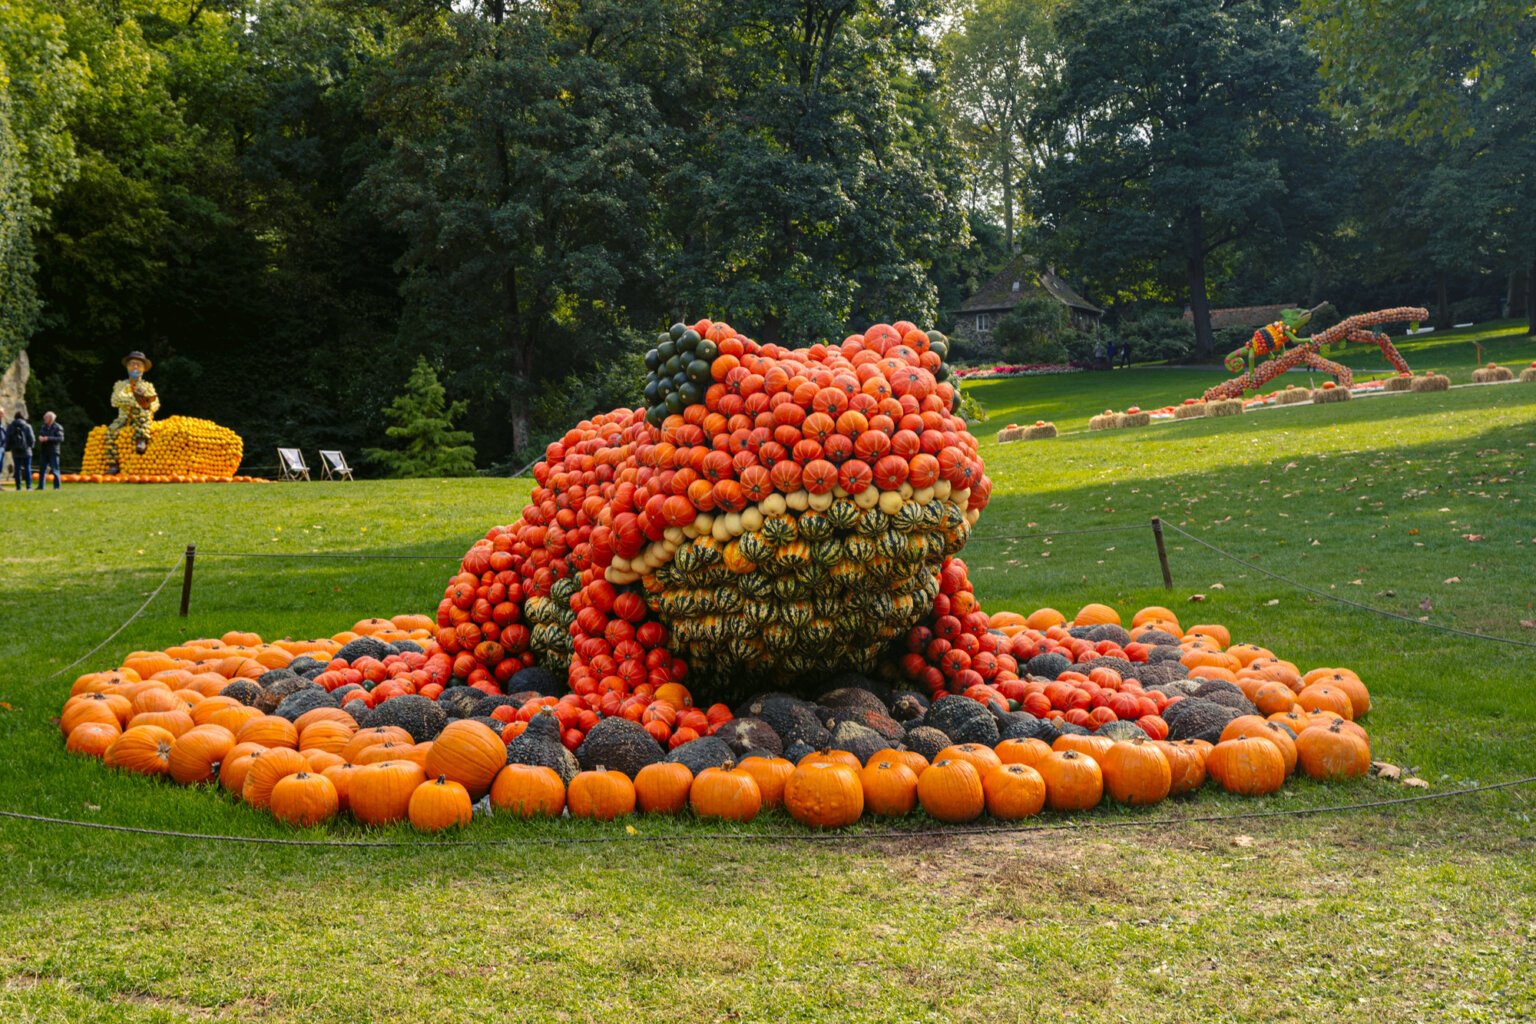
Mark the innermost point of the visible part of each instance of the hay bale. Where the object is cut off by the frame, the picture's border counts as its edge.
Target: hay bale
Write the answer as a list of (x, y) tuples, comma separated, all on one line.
[(1528, 374), (1333, 394), (1010, 433), (1225, 407), (1040, 431), (1133, 419), (1189, 411), (1402, 382), (1293, 394), (1493, 373), (1429, 381), (1104, 421)]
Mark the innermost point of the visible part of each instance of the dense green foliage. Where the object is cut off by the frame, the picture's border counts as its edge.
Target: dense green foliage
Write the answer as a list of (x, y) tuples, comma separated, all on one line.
[(1032, 332), (285, 202)]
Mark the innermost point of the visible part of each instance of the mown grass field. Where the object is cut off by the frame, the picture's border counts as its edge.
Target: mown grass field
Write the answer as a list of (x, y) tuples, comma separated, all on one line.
[(1420, 504)]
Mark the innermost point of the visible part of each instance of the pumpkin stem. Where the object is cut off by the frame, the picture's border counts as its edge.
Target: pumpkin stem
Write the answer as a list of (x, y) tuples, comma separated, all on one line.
[(442, 780)]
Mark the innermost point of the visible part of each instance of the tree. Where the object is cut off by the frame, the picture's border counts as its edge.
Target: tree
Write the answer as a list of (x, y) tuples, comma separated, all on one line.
[(996, 62), (39, 83), (1458, 72), (1031, 331), (819, 187), (1178, 127), (521, 166), (422, 423)]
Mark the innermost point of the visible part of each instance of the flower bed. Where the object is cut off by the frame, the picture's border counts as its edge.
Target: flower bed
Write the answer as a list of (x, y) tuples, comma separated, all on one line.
[(1015, 370)]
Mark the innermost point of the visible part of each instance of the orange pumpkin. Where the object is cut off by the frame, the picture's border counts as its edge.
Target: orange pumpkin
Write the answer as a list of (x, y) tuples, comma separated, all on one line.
[(469, 753), (196, 754), (269, 731), (727, 793), (144, 750), (1013, 791), (92, 738), (1332, 753), (911, 758), (265, 772), (1073, 780), (771, 774), (380, 794), (1096, 615), (1322, 697), (950, 791), (663, 787), (890, 788), (438, 804), (1028, 752), (824, 795), (304, 799), (1136, 772), (1262, 728), (600, 794), (982, 758), (1247, 765)]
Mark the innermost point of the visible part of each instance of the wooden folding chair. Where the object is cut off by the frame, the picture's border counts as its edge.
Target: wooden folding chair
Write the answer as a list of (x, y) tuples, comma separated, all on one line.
[(290, 464), (333, 466)]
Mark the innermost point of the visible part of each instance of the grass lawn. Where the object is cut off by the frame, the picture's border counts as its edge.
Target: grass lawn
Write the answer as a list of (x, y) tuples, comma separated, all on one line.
[(1071, 399), (1421, 504)]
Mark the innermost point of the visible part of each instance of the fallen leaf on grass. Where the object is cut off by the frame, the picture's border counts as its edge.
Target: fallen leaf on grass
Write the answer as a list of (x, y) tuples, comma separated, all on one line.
[(1474, 537), (1426, 605), (1454, 579), (1272, 602), (1416, 783), (1528, 623), (1242, 840), (1196, 598), (1386, 771)]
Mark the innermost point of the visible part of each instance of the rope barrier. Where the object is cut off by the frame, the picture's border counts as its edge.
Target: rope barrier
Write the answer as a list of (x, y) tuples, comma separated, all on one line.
[(126, 623), (328, 554), (1058, 533), (807, 836), (1346, 601)]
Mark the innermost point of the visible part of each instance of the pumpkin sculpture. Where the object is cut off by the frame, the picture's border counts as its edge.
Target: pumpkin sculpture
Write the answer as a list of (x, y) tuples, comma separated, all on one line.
[(773, 513), (770, 518)]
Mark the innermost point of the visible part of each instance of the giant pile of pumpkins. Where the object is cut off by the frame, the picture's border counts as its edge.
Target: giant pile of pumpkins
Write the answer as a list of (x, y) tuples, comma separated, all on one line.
[(182, 449), (771, 525), (196, 715)]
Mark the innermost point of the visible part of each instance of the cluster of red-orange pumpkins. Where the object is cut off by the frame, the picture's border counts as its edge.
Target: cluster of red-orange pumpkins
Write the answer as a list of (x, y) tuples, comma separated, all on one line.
[(305, 772)]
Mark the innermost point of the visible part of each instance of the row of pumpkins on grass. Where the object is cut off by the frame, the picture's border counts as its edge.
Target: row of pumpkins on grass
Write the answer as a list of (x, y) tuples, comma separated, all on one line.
[(307, 771)]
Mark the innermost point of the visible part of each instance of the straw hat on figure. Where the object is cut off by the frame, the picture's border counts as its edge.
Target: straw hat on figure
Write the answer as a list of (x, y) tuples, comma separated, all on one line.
[(136, 405)]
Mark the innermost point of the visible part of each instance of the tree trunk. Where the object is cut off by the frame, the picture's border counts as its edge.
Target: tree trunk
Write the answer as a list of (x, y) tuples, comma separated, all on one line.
[(1442, 302), (1008, 196), (1199, 304), (515, 340), (1530, 299)]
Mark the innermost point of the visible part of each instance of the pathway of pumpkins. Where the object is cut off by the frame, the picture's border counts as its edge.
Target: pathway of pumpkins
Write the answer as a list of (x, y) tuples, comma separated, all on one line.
[(771, 518)]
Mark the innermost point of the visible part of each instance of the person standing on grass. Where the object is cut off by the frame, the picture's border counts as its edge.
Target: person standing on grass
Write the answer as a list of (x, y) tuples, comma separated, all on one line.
[(4, 455), (19, 440), (50, 439)]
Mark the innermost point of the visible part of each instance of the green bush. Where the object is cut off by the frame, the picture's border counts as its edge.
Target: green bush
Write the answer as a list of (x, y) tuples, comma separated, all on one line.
[(1033, 331), (1159, 334)]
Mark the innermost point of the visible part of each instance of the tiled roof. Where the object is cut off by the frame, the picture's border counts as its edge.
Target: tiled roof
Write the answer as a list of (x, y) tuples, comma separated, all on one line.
[(1244, 316), (999, 294)]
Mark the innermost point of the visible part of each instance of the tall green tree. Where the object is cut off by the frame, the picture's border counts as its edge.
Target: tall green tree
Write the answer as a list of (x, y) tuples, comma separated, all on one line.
[(1457, 72), (39, 83), (421, 424), (1179, 127), (521, 165), (996, 62), (819, 186)]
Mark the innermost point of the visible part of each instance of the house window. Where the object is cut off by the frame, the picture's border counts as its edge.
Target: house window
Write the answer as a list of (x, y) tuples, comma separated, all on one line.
[(983, 323)]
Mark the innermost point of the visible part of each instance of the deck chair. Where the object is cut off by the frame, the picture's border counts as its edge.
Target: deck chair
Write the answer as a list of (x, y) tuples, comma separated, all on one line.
[(333, 466), (290, 464)]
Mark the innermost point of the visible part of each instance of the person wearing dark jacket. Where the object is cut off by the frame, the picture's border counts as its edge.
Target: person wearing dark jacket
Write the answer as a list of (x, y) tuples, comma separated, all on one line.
[(50, 439), (19, 440)]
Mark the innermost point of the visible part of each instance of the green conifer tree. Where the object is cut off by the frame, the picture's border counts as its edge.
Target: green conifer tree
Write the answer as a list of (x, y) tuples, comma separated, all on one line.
[(422, 427)]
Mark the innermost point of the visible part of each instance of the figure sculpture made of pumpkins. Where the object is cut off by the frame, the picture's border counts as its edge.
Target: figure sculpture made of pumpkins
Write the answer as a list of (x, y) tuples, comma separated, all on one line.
[(136, 404)]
